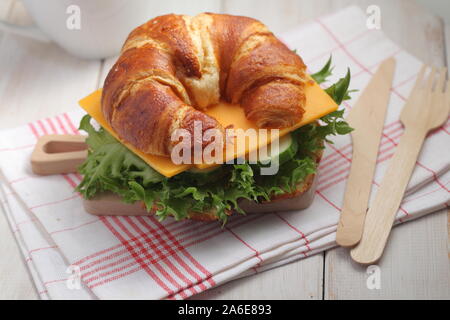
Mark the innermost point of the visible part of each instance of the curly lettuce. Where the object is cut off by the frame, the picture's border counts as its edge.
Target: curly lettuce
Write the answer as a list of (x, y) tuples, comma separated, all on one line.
[(110, 166)]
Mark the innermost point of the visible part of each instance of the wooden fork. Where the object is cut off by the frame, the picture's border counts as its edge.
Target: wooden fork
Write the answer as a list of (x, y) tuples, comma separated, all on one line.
[(427, 108)]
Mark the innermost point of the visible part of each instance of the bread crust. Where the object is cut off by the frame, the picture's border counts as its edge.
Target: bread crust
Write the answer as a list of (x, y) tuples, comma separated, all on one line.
[(173, 67)]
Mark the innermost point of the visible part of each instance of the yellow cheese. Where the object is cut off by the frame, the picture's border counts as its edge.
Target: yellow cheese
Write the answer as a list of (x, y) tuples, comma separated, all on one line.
[(92, 105), (318, 104)]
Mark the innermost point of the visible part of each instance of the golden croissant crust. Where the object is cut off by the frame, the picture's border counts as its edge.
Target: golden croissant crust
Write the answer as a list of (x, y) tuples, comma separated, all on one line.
[(174, 66)]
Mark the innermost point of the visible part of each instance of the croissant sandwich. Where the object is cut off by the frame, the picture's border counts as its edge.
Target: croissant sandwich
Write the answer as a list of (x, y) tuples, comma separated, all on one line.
[(172, 72)]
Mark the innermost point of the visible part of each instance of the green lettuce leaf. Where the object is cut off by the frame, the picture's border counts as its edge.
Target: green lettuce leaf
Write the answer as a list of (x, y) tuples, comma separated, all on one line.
[(338, 91), (322, 75), (110, 166)]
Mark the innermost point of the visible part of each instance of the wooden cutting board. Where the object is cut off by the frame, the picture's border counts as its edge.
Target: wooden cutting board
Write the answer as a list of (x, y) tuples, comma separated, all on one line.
[(59, 154)]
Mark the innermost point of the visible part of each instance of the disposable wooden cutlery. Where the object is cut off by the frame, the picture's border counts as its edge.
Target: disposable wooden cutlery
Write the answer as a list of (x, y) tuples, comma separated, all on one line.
[(427, 108), (367, 118)]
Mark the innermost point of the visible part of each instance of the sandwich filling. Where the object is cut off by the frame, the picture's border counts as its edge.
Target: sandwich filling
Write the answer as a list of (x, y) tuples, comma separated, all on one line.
[(112, 167)]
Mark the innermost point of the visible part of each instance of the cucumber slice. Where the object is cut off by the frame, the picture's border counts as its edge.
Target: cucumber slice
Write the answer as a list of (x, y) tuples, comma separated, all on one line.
[(287, 148), (199, 171), (203, 175)]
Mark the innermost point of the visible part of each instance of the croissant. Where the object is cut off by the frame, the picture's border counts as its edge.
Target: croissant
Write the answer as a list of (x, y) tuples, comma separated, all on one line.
[(175, 66)]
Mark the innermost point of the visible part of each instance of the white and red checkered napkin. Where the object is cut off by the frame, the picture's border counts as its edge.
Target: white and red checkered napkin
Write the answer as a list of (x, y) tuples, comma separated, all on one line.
[(139, 257)]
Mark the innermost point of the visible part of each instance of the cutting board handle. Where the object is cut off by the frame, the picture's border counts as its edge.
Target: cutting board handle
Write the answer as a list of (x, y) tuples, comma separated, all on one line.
[(56, 154)]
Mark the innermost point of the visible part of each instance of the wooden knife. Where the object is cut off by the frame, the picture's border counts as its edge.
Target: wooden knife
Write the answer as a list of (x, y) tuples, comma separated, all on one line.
[(367, 118)]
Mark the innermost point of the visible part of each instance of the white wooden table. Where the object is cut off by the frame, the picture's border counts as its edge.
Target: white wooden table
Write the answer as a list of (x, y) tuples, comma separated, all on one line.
[(38, 80)]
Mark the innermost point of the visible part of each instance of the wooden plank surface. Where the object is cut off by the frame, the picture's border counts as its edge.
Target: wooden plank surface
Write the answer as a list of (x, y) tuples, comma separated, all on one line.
[(16, 282), (447, 59), (415, 263)]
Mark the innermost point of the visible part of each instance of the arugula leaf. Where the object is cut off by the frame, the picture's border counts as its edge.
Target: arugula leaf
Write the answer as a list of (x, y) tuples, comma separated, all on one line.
[(322, 75), (110, 166), (339, 91)]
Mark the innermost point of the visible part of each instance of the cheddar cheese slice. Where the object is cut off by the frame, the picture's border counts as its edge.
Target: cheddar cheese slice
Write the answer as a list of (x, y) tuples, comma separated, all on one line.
[(318, 104), (92, 105)]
